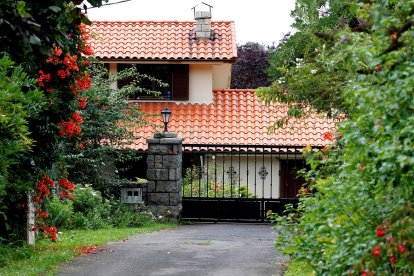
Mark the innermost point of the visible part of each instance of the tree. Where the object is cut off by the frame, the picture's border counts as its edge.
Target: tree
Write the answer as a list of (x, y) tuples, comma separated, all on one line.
[(109, 127), (297, 69), (250, 69), (47, 41), (359, 219)]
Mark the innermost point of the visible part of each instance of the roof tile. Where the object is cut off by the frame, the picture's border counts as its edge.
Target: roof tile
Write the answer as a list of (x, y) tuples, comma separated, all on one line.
[(218, 123), (170, 40)]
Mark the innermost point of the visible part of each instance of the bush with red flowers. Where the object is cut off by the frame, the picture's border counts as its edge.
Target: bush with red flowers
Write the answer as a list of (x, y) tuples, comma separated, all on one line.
[(47, 41)]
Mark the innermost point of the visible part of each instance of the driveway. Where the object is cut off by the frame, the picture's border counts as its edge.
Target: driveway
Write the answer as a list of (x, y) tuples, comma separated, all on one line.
[(198, 249)]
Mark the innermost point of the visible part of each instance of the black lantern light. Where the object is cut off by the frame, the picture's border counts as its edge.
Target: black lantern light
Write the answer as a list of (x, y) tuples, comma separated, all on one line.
[(165, 113)]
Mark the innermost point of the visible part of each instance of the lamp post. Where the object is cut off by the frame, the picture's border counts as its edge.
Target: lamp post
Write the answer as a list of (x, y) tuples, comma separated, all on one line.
[(165, 113)]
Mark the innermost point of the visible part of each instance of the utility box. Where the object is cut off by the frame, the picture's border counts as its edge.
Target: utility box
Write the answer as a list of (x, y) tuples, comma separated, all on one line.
[(131, 195)]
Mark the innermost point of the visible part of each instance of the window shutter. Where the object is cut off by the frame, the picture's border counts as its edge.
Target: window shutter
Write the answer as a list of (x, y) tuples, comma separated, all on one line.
[(180, 82)]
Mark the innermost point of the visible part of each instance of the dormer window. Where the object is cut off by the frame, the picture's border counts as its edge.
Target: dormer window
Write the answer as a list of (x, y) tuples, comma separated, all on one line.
[(175, 75)]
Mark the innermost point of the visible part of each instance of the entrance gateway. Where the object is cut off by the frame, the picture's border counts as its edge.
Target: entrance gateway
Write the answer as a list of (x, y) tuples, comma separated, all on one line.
[(239, 183)]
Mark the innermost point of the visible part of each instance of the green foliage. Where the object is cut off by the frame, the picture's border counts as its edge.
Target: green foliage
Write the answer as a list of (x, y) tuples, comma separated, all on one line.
[(19, 100), (109, 125), (29, 28), (360, 216), (86, 198), (15, 107), (29, 132), (92, 211), (299, 268), (60, 212), (301, 77), (213, 185)]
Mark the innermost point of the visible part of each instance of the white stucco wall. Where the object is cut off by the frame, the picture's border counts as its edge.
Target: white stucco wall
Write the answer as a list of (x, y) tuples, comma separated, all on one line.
[(200, 83), (203, 78), (221, 76), (248, 172)]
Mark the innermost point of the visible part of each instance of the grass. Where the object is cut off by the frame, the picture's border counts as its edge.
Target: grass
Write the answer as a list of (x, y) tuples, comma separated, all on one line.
[(45, 257), (299, 268)]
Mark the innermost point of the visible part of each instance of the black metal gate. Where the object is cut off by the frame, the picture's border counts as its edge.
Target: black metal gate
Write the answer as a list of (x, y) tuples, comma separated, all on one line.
[(239, 182)]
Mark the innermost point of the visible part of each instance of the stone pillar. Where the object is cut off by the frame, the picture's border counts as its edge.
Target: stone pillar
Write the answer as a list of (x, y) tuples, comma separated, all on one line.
[(164, 165)]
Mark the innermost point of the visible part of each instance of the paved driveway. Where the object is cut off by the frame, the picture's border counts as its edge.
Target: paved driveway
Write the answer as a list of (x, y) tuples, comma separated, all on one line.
[(198, 249)]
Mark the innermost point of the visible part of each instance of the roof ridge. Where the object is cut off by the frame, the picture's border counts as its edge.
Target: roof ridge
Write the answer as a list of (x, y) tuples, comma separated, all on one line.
[(157, 21)]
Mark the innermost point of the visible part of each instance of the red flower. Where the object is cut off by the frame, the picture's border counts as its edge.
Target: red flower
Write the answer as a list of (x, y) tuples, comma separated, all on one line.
[(43, 78), (56, 51), (380, 232), (66, 184), (327, 136), (69, 128), (71, 62), (81, 146), (393, 259), (401, 248), (377, 251), (77, 117), (74, 90), (67, 188), (361, 166), (83, 83), (44, 214), (46, 180), (86, 63), (88, 50), (36, 199), (389, 239), (51, 232), (378, 68), (363, 273), (61, 73), (82, 102)]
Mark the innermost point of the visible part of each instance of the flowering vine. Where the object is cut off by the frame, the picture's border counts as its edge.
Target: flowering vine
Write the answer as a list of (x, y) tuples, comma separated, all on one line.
[(43, 192)]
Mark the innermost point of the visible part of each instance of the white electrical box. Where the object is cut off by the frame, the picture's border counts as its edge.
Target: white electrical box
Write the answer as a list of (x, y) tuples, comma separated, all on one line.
[(131, 195)]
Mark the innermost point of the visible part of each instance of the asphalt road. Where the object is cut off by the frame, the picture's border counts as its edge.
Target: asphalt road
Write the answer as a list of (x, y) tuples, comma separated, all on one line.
[(198, 249)]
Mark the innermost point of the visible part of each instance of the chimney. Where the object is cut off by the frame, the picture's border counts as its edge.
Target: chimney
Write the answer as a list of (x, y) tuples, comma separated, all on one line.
[(203, 22)]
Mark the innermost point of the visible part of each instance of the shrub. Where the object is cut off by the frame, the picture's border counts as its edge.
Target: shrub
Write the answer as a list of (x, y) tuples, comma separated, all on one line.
[(60, 212), (92, 211), (86, 199), (359, 220)]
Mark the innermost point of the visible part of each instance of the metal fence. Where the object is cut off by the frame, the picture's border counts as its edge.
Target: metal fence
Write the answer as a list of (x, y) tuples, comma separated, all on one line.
[(239, 181)]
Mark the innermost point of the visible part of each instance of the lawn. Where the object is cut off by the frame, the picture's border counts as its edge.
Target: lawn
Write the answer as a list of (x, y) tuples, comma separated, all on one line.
[(45, 257)]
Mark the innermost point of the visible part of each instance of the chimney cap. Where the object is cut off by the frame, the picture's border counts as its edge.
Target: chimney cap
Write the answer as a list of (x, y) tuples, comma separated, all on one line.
[(204, 3)]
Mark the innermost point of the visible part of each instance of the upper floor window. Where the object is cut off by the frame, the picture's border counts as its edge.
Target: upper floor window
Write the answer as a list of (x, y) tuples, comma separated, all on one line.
[(175, 75)]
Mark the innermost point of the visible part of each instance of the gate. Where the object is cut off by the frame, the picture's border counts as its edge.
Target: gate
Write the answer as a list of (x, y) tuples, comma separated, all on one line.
[(239, 182)]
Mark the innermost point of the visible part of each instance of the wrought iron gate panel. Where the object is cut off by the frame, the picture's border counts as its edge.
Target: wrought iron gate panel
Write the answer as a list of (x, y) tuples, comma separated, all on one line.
[(239, 182)]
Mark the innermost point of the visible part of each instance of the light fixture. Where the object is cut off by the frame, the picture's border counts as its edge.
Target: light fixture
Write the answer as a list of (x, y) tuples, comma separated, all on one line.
[(165, 113)]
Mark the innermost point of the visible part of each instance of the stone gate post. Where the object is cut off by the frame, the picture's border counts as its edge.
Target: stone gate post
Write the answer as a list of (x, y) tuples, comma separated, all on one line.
[(164, 165)]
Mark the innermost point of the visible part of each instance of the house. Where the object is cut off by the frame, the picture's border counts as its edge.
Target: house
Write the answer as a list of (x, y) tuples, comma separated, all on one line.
[(226, 142)]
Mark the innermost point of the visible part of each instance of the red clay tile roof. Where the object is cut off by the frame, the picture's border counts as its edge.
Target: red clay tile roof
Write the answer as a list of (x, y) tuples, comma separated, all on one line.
[(234, 117), (161, 40)]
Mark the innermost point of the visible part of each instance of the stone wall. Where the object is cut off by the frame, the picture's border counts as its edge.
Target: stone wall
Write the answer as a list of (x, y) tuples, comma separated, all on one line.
[(164, 175)]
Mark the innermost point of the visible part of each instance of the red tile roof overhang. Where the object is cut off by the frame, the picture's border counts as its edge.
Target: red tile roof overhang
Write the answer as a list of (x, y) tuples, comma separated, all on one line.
[(236, 117)]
